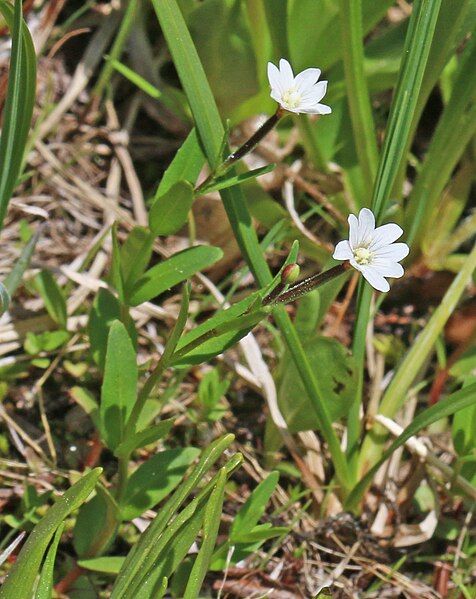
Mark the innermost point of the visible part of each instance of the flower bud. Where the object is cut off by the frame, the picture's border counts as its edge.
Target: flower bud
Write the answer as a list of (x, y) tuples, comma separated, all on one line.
[(290, 274)]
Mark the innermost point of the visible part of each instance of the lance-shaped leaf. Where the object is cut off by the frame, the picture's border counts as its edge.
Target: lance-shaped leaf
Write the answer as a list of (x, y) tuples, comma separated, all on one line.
[(119, 388)]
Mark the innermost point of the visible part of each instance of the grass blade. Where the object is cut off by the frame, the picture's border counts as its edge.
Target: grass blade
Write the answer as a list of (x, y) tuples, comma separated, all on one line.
[(19, 103), (445, 407), (357, 92), (45, 585), (413, 361), (21, 578), (144, 554), (211, 524), (417, 47)]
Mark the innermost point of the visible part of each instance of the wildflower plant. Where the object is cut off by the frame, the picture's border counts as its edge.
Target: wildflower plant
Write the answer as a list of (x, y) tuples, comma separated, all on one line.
[(328, 380)]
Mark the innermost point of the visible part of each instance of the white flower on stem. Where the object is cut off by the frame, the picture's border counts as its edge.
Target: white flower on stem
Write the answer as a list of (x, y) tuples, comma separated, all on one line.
[(297, 94), (371, 250)]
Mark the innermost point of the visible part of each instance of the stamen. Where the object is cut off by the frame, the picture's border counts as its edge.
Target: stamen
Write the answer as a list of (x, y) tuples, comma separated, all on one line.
[(363, 255)]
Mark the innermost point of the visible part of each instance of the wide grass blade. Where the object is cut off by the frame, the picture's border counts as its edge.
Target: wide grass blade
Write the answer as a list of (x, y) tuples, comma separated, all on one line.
[(19, 103)]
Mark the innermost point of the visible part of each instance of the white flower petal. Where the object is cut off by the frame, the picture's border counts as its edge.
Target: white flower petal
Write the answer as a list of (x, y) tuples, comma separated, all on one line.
[(353, 231), (388, 269), (307, 78), (385, 235), (323, 109), (393, 253), (315, 93), (375, 278), (276, 95), (366, 226), (287, 74), (309, 109), (343, 251), (275, 79)]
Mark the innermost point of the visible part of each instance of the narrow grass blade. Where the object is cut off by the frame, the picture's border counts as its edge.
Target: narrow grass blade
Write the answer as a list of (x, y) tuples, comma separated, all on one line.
[(445, 407), (417, 47), (455, 129), (142, 557), (13, 279), (21, 578), (134, 78), (413, 361), (19, 103), (45, 585), (357, 93), (127, 22), (211, 524)]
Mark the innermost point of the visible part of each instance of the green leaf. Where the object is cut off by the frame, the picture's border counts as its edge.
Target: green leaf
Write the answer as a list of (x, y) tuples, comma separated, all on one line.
[(135, 255), (84, 398), (96, 524), (169, 211), (218, 333), (21, 578), (179, 540), (350, 12), (221, 34), (119, 388), (105, 309), (337, 377), (143, 438), (211, 523), (459, 400), (106, 565), (53, 297), (454, 131), (172, 271), (185, 166), (320, 21), (155, 479), (254, 507), (116, 278), (45, 584), (19, 102), (226, 181)]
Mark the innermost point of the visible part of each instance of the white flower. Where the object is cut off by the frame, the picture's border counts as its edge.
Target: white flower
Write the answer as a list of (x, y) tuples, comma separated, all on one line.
[(297, 94), (372, 250)]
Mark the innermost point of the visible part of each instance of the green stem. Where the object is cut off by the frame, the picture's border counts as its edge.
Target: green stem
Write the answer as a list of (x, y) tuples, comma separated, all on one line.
[(121, 38), (243, 150), (211, 131), (357, 93), (122, 476)]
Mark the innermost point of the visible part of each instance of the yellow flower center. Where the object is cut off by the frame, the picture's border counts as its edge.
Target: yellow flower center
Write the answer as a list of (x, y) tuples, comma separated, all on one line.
[(291, 98), (363, 255)]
